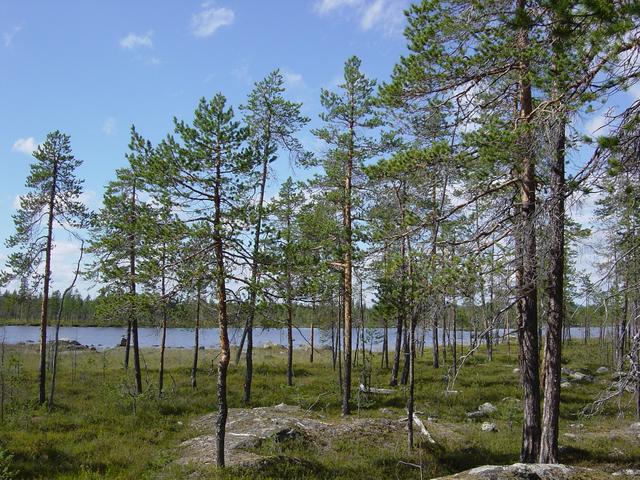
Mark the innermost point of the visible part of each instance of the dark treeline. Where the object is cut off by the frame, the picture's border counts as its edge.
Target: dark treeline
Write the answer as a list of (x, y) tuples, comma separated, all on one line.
[(18, 308)]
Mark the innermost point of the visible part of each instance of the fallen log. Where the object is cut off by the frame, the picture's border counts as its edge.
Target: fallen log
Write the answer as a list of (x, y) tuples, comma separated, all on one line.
[(376, 391)]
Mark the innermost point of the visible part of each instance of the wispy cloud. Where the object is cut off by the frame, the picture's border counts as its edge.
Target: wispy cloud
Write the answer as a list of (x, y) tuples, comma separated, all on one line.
[(327, 6), (241, 72), (24, 145), (16, 202), (387, 15), (7, 37), (133, 40), (292, 79), (210, 18), (109, 126)]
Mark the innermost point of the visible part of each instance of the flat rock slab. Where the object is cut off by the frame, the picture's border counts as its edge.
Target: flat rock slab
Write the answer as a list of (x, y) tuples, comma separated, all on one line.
[(521, 471), (248, 428)]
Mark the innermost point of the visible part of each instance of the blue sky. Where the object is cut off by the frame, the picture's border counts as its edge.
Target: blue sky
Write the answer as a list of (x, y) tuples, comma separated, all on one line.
[(91, 69)]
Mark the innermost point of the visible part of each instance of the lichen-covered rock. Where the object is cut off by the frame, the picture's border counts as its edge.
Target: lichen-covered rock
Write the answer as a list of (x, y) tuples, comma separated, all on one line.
[(629, 472), (581, 377), (521, 471), (489, 427), (484, 410)]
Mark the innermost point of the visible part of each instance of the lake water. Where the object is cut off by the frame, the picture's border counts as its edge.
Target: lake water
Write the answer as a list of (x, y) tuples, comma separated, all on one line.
[(108, 337)]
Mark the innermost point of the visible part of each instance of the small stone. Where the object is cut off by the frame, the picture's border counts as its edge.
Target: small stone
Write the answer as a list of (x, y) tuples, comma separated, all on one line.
[(516, 370), (581, 377), (565, 385), (616, 453), (489, 427), (487, 408), (629, 472), (483, 410), (602, 370)]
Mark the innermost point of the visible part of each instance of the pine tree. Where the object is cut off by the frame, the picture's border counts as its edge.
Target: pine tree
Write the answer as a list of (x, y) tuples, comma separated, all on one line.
[(284, 255), (205, 172), (349, 118), (53, 200), (121, 245), (273, 122)]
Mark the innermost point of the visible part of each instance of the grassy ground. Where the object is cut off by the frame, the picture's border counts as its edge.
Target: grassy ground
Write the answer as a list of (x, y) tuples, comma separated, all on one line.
[(97, 429)]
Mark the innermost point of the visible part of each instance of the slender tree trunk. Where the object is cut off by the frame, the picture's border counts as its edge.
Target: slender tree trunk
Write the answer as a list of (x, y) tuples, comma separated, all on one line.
[(255, 275), (347, 278), (54, 363), (553, 346), (312, 331), (133, 317), (526, 273), (444, 331), (196, 348), (225, 352), (398, 349), (44, 313), (362, 323), (412, 361), (289, 314), (163, 340), (339, 348), (454, 349), (334, 350), (404, 377), (385, 345), (436, 353), (127, 345)]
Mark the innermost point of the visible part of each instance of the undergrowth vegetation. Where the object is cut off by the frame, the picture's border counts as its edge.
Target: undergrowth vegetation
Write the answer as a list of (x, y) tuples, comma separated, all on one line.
[(99, 428)]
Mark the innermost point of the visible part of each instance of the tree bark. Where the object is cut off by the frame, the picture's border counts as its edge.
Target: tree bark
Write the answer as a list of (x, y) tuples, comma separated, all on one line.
[(194, 368), (133, 317), (347, 276), (553, 346), (254, 277), (44, 313), (436, 353), (163, 340), (526, 272), (223, 362)]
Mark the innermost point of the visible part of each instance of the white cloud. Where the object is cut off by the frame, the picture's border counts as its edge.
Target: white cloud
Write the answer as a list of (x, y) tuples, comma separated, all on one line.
[(132, 40), (634, 91), (109, 126), (241, 72), (597, 125), (372, 14), (16, 202), (25, 145), (210, 19), (7, 37), (387, 15), (326, 6), (292, 79)]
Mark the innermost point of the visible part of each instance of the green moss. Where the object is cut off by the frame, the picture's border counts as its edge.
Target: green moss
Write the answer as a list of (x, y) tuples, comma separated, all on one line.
[(92, 432)]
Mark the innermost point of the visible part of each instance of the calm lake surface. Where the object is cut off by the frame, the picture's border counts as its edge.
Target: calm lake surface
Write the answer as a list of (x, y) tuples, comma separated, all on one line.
[(108, 337)]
